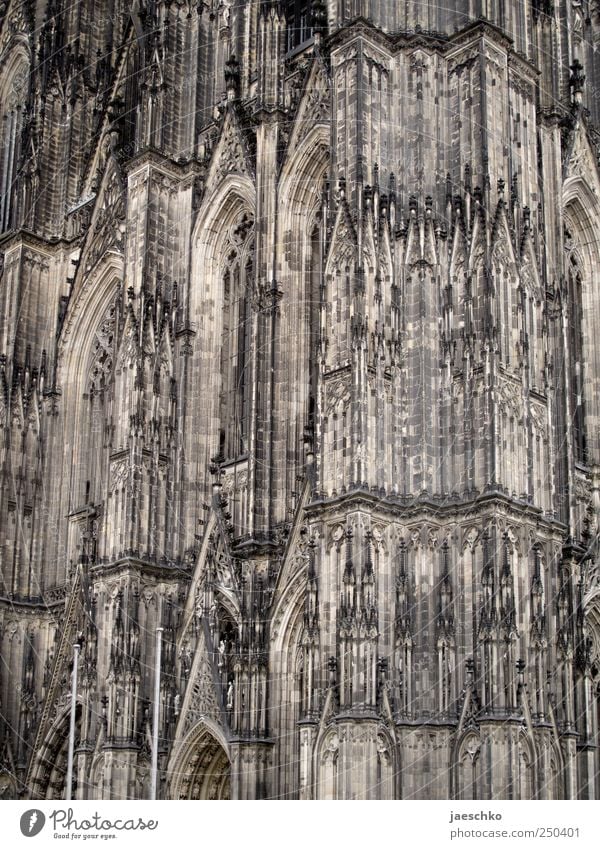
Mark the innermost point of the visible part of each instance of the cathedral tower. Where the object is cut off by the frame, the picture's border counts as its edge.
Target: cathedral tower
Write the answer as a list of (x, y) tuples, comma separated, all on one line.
[(300, 369)]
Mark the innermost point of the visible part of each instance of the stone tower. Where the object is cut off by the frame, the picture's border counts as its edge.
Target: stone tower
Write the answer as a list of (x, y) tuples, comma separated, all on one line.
[(300, 363)]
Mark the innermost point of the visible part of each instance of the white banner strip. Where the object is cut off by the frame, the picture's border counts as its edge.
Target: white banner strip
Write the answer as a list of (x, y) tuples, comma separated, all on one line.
[(281, 824)]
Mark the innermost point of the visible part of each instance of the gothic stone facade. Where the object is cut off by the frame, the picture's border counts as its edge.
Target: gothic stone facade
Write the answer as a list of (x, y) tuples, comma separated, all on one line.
[(300, 361)]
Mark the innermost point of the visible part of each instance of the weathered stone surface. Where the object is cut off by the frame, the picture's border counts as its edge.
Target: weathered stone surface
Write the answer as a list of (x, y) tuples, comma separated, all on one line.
[(300, 362)]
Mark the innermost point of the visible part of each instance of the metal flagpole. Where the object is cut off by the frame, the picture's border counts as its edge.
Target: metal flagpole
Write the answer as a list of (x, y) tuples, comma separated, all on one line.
[(76, 648), (156, 715)]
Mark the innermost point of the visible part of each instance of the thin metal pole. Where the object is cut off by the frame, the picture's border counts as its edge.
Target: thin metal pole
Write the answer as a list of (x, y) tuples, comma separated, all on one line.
[(156, 714), (76, 648)]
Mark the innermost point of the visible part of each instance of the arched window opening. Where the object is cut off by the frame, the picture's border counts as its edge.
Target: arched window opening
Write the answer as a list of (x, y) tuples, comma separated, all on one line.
[(297, 710), (98, 395), (328, 767), (507, 319), (532, 307), (468, 769), (13, 95), (533, 332), (575, 335), (236, 371), (525, 778), (314, 319)]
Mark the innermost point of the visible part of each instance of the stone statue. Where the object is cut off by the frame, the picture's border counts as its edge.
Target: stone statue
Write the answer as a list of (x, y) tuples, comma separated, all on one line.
[(225, 12)]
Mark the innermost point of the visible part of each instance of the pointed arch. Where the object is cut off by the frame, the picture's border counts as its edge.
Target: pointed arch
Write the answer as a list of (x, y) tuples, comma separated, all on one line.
[(200, 766), (328, 759), (526, 779), (582, 305), (218, 307), (592, 612), (506, 283), (301, 235), (533, 307), (86, 350), (290, 662), (459, 258), (48, 774), (387, 773), (218, 211), (237, 274), (91, 297), (14, 90), (467, 766), (86, 353), (97, 773)]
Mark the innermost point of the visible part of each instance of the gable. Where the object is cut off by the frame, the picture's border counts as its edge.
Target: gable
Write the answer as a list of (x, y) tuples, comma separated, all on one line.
[(230, 155), (314, 106), (106, 230), (581, 162)]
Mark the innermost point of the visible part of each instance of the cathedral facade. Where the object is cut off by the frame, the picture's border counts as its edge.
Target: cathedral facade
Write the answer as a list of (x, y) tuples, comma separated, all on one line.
[(300, 393)]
